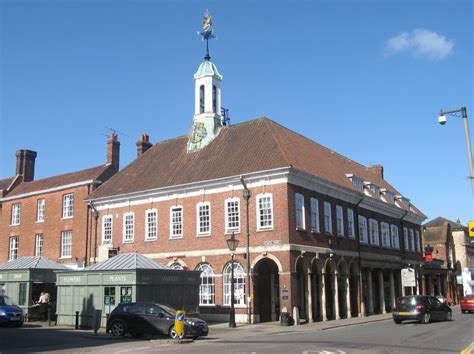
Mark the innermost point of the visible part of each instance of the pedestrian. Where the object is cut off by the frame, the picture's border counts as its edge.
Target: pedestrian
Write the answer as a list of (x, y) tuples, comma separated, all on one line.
[(43, 302)]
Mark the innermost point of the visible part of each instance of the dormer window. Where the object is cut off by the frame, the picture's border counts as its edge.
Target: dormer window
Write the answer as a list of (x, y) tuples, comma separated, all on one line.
[(401, 201), (387, 196), (358, 182), (374, 189)]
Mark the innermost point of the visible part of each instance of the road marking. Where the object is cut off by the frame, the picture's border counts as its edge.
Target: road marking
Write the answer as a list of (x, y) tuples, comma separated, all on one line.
[(133, 350), (469, 349), (286, 333)]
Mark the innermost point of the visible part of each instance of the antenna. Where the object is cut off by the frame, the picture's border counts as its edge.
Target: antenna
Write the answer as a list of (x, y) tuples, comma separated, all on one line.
[(115, 131)]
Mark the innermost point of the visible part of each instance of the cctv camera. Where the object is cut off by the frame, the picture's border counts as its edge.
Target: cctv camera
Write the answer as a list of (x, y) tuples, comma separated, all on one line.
[(442, 119)]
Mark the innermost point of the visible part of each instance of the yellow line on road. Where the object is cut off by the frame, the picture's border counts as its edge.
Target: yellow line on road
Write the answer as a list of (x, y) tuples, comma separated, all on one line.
[(469, 349)]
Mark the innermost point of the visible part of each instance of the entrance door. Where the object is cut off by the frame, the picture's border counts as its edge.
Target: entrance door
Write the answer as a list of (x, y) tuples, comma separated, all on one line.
[(268, 290)]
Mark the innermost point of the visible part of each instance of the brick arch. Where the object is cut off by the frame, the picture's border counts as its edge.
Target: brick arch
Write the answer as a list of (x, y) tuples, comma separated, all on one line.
[(269, 256)]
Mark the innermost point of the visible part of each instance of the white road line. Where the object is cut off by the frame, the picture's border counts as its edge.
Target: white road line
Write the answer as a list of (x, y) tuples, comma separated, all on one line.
[(133, 350)]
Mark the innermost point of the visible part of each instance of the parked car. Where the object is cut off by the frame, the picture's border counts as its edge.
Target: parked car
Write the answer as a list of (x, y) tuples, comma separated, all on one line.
[(150, 318), (421, 308), (10, 313), (467, 303)]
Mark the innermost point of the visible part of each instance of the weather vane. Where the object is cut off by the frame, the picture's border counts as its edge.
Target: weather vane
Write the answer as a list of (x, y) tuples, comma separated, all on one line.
[(206, 32)]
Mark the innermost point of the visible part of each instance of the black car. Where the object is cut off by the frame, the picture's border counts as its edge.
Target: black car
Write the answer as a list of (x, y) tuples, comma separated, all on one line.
[(151, 318), (421, 308)]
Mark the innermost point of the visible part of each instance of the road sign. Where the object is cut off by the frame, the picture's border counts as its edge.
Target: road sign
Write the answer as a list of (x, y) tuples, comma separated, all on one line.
[(471, 228)]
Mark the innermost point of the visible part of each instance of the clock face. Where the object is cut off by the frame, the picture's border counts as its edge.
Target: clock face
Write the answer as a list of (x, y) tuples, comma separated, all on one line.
[(198, 133)]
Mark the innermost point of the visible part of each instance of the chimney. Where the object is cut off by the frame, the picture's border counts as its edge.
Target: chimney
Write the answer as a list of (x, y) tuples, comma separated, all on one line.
[(143, 144), (113, 151), (25, 164), (377, 169)]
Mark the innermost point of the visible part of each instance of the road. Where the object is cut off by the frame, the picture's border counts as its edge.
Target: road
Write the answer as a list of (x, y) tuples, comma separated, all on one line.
[(375, 337)]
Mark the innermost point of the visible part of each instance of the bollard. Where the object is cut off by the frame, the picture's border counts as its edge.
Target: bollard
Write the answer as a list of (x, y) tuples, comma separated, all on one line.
[(77, 320)]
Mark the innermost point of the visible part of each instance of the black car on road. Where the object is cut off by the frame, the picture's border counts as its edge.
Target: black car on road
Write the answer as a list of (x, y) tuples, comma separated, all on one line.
[(421, 308), (151, 318)]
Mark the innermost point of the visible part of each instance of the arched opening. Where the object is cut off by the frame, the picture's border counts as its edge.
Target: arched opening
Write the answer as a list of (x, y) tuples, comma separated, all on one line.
[(302, 288), (239, 284), (329, 289), (207, 290), (267, 290), (377, 287), (354, 289), (214, 99), (201, 99), (342, 280), (316, 291)]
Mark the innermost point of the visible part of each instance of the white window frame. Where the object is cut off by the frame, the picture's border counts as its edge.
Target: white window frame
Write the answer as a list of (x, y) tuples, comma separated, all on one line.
[(39, 242), (13, 247), (363, 230), (68, 206), (412, 240), (151, 227), (350, 223), (405, 239), (374, 232), (128, 228), (109, 230), (239, 284), (263, 216), (201, 219), (339, 221), (40, 207), (232, 217), (395, 238), (385, 229), (328, 218), (178, 223), (207, 287), (299, 211), (66, 244), (418, 241), (16, 214), (314, 204)]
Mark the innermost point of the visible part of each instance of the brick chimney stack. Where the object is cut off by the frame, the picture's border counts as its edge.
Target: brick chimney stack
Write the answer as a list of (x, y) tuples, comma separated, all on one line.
[(113, 151), (25, 164), (377, 169), (143, 144)]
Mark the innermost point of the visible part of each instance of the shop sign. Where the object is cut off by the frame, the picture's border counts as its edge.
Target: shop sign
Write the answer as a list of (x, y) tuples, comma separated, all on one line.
[(284, 294), (408, 277)]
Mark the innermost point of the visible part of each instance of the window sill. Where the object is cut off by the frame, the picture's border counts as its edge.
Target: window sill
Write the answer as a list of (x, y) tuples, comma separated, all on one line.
[(67, 217), (127, 241), (151, 239), (315, 231), (39, 221), (203, 235), (340, 235), (176, 237), (328, 233), (265, 229), (70, 257), (230, 231), (106, 243), (14, 224), (302, 229)]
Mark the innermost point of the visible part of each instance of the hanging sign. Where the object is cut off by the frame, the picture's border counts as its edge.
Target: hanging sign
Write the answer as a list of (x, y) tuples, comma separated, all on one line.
[(408, 277)]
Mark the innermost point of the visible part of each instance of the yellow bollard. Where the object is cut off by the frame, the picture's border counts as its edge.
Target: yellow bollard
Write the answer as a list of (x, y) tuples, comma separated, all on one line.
[(179, 323)]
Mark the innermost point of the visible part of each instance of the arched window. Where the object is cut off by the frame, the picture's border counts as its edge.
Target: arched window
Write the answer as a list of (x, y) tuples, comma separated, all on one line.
[(176, 266), (214, 99), (201, 99), (239, 284), (207, 287)]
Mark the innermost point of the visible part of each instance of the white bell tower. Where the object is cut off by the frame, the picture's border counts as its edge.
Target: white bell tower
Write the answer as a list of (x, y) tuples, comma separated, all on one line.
[(207, 118)]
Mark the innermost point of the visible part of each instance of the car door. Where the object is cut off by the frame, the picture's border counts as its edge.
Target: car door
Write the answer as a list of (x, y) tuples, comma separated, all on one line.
[(437, 312), (136, 322), (154, 318)]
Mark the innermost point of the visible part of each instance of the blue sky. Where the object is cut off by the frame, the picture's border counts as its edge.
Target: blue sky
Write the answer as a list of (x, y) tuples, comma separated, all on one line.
[(365, 78)]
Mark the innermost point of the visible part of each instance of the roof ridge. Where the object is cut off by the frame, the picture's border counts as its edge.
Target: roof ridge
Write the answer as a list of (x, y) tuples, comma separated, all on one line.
[(67, 173)]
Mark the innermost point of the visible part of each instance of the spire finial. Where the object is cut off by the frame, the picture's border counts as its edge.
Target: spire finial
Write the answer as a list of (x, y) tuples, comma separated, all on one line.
[(206, 32)]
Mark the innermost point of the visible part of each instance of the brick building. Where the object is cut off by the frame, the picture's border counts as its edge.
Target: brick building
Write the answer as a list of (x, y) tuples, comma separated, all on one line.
[(49, 217), (316, 230)]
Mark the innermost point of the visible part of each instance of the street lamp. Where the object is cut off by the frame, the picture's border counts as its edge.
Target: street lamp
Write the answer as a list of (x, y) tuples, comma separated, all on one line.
[(232, 243), (442, 119)]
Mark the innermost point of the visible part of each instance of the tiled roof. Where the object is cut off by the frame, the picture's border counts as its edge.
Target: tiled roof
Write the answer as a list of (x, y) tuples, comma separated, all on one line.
[(32, 263), (439, 221), (5, 183), (252, 146), (95, 173), (127, 261)]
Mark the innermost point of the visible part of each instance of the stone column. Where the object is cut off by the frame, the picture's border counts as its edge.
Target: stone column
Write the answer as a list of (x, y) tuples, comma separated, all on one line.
[(438, 283), (392, 288), (423, 285), (323, 298), (336, 295), (310, 298), (348, 297), (381, 292), (360, 293), (370, 292)]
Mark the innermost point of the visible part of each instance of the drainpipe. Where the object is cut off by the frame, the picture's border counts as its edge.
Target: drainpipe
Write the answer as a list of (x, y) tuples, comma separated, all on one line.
[(361, 289), (87, 228), (246, 195), (95, 213)]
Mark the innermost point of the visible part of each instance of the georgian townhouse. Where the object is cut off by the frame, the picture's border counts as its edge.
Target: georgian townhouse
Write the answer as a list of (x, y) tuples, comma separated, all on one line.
[(316, 230), (49, 217)]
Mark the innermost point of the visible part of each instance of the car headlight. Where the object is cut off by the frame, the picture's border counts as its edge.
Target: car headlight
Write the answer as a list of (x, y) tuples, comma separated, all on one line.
[(191, 323), (3, 313)]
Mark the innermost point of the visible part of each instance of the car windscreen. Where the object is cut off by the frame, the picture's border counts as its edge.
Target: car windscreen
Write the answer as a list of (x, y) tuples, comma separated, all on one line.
[(170, 310), (6, 301), (409, 300)]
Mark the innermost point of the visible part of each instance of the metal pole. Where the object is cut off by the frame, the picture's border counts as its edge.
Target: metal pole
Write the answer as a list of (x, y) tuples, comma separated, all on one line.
[(246, 195), (468, 143), (232, 309)]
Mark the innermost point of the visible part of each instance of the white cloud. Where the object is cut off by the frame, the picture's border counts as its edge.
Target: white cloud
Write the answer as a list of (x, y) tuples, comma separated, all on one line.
[(420, 42)]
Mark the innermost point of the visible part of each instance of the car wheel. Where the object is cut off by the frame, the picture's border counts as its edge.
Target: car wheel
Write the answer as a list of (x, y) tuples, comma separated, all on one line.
[(174, 335), (449, 316), (426, 318), (117, 328), (397, 321)]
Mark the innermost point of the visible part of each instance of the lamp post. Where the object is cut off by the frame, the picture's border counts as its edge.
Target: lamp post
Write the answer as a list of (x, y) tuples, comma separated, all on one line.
[(442, 119), (232, 243)]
